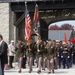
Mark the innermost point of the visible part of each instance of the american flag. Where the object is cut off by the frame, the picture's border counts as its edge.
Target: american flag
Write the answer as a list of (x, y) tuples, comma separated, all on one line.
[(28, 30)]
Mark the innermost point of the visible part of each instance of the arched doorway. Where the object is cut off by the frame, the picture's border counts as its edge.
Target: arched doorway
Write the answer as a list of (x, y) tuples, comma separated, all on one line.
[(59, 28)]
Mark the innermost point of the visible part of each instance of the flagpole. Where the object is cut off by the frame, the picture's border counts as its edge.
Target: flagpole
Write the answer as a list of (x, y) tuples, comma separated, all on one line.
[(26, 5)]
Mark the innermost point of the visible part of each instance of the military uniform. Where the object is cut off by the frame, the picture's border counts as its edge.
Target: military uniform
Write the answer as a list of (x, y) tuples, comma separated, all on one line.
[(40, 48), (30, 55), (24, 56), (59, 52), (44, 56), (71, 54), (19, 53), (50, 56), (55, 56), (65, 56), (73, 49)]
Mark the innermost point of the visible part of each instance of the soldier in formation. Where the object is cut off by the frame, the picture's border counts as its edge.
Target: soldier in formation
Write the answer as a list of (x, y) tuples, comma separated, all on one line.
[(48, 54), (40, 48), (20, 53), (30, 50)]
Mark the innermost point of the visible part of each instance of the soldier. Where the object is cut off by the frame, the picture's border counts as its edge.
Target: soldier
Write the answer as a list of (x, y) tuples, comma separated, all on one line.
[(65, 55), (34, 53), (69, 46), (50, 56), (30, 49), (55, 54), (59, 51), (44, 55), (19, 53), (73, 53), (24, 56), (40, 48)]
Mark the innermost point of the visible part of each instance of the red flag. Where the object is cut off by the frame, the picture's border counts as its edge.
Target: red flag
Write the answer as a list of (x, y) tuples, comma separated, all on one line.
[(65, 37), (28, 30), (72, 40), (36, 14)]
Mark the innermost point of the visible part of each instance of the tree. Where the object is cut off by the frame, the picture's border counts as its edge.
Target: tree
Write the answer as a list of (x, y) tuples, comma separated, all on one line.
[(62, 27), (66, 27), (54, 27)]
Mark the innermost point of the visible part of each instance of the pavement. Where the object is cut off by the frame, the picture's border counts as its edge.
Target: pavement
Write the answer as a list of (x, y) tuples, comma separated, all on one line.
[(14, 71)]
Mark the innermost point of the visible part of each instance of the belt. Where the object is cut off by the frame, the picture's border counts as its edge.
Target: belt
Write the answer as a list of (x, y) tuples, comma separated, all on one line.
[(64, 52)]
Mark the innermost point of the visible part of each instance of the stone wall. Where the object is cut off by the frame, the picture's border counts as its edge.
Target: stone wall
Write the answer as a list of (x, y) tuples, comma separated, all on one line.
[(4, 21), (12, 28), (7, 19)]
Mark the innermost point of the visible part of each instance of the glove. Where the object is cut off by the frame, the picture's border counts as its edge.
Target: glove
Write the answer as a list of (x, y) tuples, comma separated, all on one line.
[(68, 56), (61, 56)]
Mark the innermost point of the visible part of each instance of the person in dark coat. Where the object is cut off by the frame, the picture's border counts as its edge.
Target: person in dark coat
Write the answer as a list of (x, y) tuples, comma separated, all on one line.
[(3, 54)]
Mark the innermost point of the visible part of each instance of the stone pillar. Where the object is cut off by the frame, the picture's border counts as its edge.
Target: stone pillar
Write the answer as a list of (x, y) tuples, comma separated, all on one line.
[(4, 21), (12, 28)]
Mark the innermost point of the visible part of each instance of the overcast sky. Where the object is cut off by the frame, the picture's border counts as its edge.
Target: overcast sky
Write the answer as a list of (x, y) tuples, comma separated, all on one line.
[(71, 22)]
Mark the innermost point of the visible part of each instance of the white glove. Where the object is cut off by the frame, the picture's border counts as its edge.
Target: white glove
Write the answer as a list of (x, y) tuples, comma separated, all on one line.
[(68, 56), (61, 56), (58, 55)]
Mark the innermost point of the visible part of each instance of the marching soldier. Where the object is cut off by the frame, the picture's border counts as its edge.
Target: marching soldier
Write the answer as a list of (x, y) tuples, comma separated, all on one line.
[(50, 56), (70, 46), (55, 54), (19, 52), (34, 53), (24, 56), (45, 55), (73, 53), (40, 48), (65, 55), (30, 49), (59, 52)]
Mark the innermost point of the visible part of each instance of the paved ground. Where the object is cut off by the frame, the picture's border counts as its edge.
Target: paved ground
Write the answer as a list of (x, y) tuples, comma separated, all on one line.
[(14, 71)]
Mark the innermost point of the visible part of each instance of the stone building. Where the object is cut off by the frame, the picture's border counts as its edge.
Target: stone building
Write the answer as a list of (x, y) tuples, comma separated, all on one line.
[(12, 12)]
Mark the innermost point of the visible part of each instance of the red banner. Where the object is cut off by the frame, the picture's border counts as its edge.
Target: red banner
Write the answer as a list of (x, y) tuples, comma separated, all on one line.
[(36, 14)]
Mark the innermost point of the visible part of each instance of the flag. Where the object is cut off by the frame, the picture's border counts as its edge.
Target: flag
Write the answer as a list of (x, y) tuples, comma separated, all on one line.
[(36, 15), (72, 39), (28, 30), (65, 37)]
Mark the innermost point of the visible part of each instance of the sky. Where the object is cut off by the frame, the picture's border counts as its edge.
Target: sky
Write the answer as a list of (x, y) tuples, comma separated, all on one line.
[(71, 22)]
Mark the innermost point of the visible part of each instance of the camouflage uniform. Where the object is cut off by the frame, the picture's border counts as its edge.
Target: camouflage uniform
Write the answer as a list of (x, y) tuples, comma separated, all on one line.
[(20, 53), (30, 49), (44, 56), (55, 56), (40, 48), (50, 58)]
